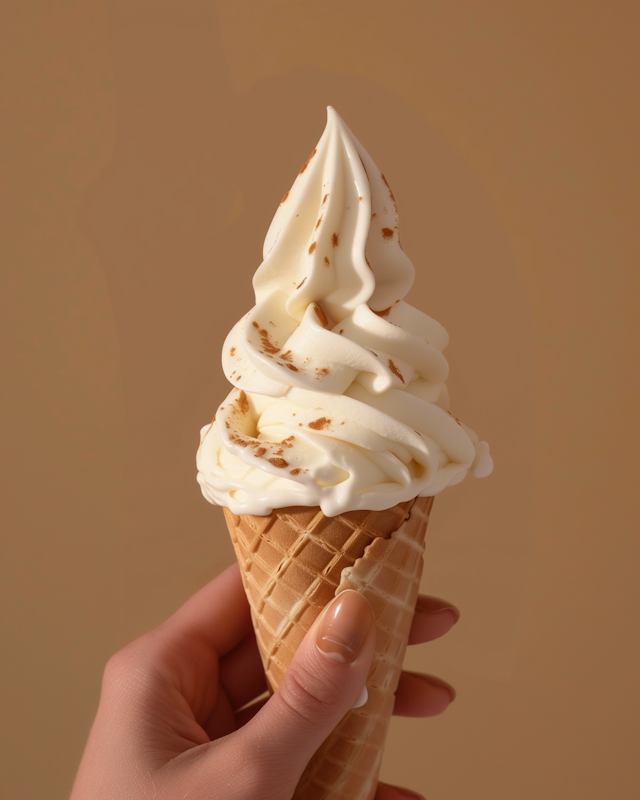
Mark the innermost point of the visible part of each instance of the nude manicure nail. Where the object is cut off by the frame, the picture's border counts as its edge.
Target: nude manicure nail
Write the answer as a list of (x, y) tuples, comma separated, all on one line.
[(438, 682), (434, 606), (344, 627), (362, 699), (409, 793)]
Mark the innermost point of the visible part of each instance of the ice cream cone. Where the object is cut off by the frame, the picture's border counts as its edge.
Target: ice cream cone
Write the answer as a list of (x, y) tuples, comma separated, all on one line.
[(339, 402), (293, 562)]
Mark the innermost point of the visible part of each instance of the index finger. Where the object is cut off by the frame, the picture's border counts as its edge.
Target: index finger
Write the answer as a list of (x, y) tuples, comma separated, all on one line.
[(218, 615), (433, 618)]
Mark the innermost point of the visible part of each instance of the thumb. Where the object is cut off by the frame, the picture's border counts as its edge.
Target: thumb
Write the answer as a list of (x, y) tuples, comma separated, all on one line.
[(324, 680)]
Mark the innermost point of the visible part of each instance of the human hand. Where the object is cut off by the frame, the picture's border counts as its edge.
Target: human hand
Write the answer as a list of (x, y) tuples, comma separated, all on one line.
[(174, 719)]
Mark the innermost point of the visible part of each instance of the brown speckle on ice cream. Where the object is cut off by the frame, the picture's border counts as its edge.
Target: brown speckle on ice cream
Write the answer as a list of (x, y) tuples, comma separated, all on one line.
[(320, 424), (242, 403), (306, 163), (322, 317), (395, 370)]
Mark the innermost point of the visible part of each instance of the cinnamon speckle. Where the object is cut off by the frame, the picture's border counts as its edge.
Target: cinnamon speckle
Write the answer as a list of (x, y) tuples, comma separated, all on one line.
[(232, 351), (335, 239), (368, 264), (273, 324), (318, 223), (395, 370), (286, 356), (301, 282), (286, 194), (326, 262), (322, 317), (320, 424), (279, 462), (292, 367), (384, 313), (306, 163), (260, 452), (324, 199), (265, 340), (341, 331), (255, 325), (360, 198), (374, 215), (322, 372), (295, 471), (242, 403), (389, 188), (312, 247), (387, 233)]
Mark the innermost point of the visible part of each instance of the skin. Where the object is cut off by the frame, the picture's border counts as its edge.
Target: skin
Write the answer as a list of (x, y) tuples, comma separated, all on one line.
[(168, 723)]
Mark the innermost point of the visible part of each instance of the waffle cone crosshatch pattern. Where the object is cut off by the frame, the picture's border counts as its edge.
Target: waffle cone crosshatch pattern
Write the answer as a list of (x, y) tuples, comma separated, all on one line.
[(293, 563)]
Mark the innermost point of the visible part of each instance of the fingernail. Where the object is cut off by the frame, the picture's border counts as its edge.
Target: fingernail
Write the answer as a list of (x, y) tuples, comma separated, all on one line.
[(364, 696), (433, 605), (438, 683), (409, 793), (344, 627)]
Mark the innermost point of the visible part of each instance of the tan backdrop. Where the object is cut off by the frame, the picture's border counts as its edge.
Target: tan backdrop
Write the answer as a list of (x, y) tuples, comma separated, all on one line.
[(146, 147)]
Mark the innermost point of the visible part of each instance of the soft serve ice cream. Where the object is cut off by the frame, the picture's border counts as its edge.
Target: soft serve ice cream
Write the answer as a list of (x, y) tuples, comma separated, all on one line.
[(339, 396)]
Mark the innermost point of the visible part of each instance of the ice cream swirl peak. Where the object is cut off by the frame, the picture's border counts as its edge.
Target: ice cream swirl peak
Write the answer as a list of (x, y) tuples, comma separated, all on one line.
[(331, 339)]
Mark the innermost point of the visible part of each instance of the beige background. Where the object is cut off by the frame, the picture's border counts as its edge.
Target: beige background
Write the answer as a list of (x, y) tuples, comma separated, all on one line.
[(146, 146)]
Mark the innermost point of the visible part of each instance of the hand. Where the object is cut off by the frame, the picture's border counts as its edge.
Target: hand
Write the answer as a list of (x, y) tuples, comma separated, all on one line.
[(174, 719)]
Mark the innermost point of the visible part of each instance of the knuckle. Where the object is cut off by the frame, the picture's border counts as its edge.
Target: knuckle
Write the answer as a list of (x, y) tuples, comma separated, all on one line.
[(309, 695), (126, 666)]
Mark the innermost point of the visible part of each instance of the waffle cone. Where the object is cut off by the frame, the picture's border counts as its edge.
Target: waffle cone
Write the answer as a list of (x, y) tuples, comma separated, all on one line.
[(293, 562)]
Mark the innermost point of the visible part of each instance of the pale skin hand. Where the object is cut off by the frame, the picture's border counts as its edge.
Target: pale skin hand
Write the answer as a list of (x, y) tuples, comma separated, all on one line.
[(168, 724)]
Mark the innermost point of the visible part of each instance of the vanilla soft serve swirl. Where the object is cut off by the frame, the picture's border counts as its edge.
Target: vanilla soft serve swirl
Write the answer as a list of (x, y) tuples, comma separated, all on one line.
[(340, 398)]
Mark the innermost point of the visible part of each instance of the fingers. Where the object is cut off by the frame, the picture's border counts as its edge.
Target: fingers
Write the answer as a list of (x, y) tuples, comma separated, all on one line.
[(421, 695), (323, 681), (433, 618), (387, 792), (218, 615), (241, 672), (248, 712)]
